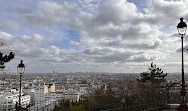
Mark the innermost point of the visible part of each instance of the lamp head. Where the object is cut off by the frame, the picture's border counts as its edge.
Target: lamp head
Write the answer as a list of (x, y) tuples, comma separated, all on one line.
[(182, 27), (21, 67)]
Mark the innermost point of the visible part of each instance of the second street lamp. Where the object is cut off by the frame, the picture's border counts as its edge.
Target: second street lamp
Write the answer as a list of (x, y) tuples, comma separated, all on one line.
[(21, 69), (182, 27)]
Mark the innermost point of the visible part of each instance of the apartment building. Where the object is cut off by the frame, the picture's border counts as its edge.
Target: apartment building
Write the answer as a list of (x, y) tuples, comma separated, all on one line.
[(8, 100)]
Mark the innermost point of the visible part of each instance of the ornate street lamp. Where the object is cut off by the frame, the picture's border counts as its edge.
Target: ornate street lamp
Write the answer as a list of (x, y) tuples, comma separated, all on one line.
[(21, 69), (182, 27)]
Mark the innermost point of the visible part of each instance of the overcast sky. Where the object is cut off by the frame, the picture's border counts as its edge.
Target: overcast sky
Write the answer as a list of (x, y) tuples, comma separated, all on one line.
[(93, 35)]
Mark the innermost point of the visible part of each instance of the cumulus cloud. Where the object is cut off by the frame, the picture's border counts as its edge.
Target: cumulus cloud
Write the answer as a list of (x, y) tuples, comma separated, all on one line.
[(9, 25), (165, 13), (115, 12), (52, 54), (110, 19), (50, 13), (111, 33)]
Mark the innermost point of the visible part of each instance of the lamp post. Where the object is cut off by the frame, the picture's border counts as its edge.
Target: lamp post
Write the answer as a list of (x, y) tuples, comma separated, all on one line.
[(182, 27), (20, 69)]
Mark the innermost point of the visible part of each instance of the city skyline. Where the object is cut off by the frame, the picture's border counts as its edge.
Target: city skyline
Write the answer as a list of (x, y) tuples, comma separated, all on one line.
[(93, 35)]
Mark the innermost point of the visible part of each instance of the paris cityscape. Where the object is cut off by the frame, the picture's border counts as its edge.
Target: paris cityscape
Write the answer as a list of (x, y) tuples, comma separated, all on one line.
[(43, 91), (93, 55)]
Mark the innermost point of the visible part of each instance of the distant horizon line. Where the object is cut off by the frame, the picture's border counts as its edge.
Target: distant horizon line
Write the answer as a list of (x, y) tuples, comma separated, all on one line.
[(1, 72)]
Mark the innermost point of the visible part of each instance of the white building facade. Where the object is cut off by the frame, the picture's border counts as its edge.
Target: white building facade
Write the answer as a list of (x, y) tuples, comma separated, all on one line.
[(8, 100)]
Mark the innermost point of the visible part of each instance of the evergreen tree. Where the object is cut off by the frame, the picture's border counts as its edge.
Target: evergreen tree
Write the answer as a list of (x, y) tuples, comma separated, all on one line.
[(5, 57), (154, 74)]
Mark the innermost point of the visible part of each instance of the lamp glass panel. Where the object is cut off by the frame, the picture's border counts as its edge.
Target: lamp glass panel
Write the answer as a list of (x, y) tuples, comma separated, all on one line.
[(182, 30), (21, 69)]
